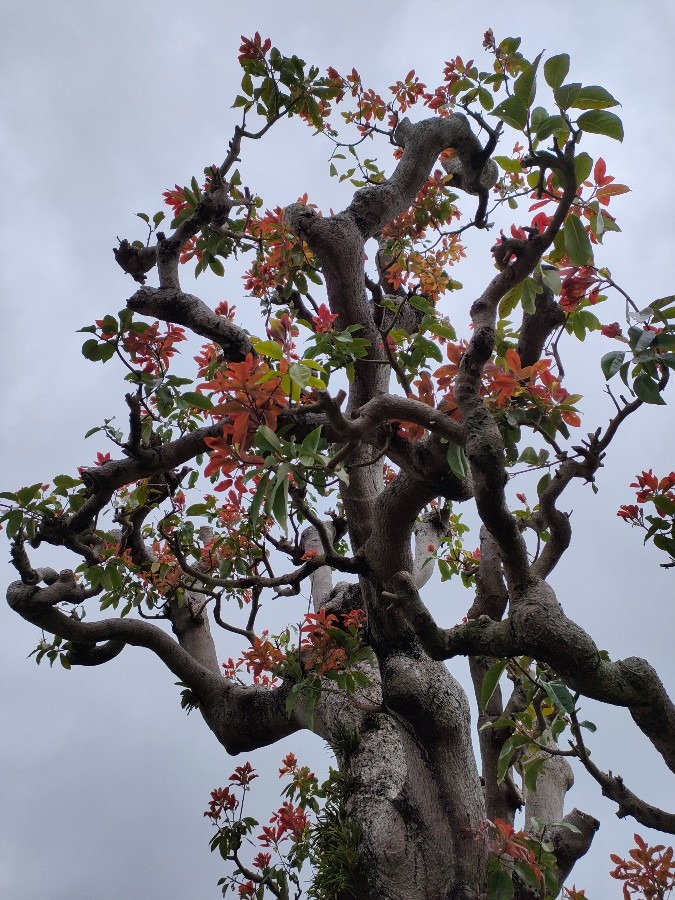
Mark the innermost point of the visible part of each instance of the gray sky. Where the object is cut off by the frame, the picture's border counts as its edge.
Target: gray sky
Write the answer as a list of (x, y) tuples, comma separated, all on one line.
[(104, 105)]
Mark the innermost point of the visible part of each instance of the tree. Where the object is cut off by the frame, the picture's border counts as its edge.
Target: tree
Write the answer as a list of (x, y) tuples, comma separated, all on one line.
[(431, 422)]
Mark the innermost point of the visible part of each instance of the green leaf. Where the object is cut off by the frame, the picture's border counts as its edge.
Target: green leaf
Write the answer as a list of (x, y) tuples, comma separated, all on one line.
[(665, 543), (664, 505), (90, 349), (531, 772), (566, 94), (216, 266), (590, 726), (529, 295), (266, 439), (292, 698), (300, 374), (552, 279), (269, 348), (512, 111), (526, 873), (648, 390), (594, 97), (310, 703), (577, 242), (597, 121), (525, 86), (506, 753), (261, 491), (508, 164), (559, 694), (583, 164), (499, 885), (509, 301), (553, 125), (490, 681), (485, 99), (194, 398), (457, 460), (556, 69), (280, 498), (612, 362)]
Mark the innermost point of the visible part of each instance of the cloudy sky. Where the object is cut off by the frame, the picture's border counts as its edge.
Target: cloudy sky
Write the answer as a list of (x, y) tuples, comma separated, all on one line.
[(104, 105)]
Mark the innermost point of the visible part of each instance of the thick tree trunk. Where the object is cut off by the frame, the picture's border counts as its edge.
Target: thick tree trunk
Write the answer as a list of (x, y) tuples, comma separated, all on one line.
[(414, 791)]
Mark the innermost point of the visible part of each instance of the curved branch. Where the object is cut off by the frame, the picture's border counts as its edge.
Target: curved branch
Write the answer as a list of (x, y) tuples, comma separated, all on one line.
[(37, 605), (484, 445), (172, 305), (103, 481), (539, 628)]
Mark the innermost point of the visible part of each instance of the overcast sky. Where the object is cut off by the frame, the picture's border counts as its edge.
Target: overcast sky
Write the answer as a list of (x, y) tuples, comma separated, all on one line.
[(103, 779)]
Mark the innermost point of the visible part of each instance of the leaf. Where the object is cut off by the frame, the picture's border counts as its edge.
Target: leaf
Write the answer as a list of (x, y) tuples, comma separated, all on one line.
[(457, 460), (531, 772), (577, 242), (269, 348), (506, 753), (525, 86), (553, 125), (566, 94), (529, 295), (559, 694), (509, 301), (552, 280), (583, 165), (665, 543), (512, 111), (526, 873), (194, 398), (508, 164), (499, 885), (612, 362), (280, 498), (216, 266), (647, 390), (292, 698), (664, 505), (556, 69), (594, 97), (266, 439), (261, 491), (490, 681), (597, 121)]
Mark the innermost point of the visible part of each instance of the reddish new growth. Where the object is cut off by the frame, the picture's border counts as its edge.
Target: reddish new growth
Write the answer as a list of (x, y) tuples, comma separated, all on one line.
[(323, 320), (153, 349), (650, 871), (650, 488), (251, 396), (284, 255)]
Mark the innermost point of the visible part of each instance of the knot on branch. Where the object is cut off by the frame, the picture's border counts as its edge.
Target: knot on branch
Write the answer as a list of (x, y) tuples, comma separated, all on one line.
[(298, 217), (473, 181), (135, 261), (592, 454), (506, 251)]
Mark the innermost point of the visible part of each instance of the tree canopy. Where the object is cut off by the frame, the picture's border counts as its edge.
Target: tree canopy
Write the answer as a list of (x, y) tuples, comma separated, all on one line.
[(346, 438)]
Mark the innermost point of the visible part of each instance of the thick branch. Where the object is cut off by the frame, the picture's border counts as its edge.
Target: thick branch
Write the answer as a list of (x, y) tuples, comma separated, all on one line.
[(172, 305), (37, 605), (539, 628)]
